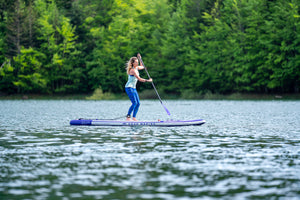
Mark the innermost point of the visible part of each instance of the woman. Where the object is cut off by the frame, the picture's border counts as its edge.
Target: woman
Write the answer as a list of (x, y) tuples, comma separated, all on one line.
[(130, 87)]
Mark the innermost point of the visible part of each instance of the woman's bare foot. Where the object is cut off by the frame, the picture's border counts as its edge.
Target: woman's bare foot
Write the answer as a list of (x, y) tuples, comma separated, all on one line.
[(128, 119), (134, 119)]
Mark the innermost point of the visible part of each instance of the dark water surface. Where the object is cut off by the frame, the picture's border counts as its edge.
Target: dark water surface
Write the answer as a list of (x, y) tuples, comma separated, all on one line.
[(246, 150)]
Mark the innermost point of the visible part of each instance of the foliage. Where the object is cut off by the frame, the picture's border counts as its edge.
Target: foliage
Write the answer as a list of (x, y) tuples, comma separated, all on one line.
[(99, 95), (7, 77), (191, 47), (27, 67)]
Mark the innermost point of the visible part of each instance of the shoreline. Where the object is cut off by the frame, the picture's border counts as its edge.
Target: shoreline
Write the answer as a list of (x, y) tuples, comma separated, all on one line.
[(234, 96)]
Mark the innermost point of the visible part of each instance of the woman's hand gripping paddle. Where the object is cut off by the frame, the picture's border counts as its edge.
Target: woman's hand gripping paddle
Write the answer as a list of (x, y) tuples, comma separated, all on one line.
[(141, 61)]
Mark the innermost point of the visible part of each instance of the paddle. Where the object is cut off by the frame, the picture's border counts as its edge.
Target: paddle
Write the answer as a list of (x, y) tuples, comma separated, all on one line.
[(141, 61)]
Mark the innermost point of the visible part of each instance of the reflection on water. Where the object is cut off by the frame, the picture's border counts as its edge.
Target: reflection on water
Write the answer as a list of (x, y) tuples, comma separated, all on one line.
[(247, 149)]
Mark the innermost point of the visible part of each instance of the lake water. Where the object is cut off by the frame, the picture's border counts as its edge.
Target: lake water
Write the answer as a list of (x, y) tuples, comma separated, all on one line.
[(246, 150)]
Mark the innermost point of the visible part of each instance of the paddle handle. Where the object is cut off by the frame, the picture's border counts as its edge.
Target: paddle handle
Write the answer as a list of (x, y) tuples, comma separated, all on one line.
[(141, 61)]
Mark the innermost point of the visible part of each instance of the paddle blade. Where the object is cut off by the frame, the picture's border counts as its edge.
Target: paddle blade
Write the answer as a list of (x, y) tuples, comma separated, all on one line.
[(168, 112)]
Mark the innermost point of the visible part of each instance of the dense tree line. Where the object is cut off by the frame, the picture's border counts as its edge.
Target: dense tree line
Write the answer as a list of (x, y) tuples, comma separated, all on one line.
[(198, 46)]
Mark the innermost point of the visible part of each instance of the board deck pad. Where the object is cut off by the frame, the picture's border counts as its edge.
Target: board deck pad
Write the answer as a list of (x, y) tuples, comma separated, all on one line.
[(167, 123)]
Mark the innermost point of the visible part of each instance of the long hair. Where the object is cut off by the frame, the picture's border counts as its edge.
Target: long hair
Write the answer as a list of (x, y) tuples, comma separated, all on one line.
[(129, 64)]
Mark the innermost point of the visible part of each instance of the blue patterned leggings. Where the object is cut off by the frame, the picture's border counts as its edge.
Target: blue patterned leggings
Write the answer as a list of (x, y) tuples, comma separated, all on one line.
[(135, 100)]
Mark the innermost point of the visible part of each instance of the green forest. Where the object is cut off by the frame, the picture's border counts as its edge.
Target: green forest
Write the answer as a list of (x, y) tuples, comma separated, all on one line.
[(188, 46)]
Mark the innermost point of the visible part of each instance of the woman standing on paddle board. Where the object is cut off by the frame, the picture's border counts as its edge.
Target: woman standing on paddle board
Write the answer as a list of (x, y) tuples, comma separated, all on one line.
[(130, 87)]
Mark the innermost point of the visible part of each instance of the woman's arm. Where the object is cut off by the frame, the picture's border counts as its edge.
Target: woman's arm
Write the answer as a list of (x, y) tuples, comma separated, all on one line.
[(141, 67), (133, 72)]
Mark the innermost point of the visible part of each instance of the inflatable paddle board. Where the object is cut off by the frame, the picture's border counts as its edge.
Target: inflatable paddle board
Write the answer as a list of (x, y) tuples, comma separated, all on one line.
[(168, 123)]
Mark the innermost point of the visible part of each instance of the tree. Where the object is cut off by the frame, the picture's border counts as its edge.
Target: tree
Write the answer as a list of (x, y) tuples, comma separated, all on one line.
[(174, 51), (283, 46), (15, 29), (7, 77), (28, 71), (57, 37)]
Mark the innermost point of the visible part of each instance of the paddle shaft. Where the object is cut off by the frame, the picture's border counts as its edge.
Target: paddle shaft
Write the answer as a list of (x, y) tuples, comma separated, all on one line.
[(168, 112)]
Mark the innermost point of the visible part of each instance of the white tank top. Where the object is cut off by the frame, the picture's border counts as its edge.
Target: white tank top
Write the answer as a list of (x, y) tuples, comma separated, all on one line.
[(132, 80)]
